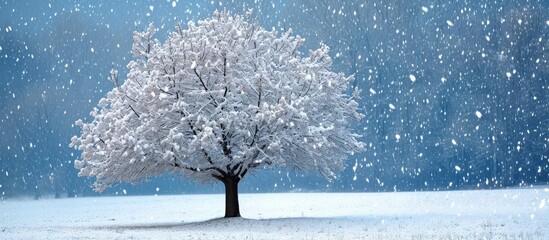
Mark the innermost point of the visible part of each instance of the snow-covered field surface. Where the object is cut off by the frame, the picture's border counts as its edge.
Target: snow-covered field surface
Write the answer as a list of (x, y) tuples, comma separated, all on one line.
[(497, 214)]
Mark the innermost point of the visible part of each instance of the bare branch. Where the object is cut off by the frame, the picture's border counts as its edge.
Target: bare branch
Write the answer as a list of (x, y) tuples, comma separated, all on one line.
[(133, 110)]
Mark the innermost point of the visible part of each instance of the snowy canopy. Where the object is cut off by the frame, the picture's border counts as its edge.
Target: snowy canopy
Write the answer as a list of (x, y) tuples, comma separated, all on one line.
[(219, 98)]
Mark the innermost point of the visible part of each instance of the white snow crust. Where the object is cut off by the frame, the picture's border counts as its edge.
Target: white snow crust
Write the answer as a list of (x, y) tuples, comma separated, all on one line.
[(493, 214)]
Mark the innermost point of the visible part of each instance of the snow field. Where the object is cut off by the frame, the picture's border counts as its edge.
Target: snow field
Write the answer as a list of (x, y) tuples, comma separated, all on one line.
[(497, 214)]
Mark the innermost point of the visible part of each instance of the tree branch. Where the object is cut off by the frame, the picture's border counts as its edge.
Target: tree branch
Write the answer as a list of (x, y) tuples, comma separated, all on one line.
[(193, 169), (225, 142), (205, 88), (133, 110), (225, 76), (258, 104), (222, 179), (208, 158)]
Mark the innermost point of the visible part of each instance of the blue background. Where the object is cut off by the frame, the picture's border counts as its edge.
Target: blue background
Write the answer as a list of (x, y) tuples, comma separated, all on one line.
[(476, 116)]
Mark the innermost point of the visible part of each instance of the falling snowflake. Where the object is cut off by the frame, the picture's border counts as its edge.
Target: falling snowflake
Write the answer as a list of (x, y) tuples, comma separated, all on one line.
[(412, 77)]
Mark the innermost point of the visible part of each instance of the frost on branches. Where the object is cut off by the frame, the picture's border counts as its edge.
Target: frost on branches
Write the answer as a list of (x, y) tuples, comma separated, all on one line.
[(216, 101)]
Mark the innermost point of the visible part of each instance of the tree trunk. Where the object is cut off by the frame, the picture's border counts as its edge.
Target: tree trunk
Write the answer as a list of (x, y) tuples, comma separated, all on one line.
[(232, 208)]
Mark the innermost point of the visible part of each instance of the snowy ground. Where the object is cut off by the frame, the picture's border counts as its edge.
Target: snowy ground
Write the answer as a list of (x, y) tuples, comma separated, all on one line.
[(499, 214)]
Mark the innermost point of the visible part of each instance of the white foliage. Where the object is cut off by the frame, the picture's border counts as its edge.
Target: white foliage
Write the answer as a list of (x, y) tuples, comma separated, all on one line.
[(217, 100)]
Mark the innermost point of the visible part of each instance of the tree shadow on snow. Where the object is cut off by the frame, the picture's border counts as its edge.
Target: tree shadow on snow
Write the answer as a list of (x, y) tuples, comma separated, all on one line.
[(242, 224)]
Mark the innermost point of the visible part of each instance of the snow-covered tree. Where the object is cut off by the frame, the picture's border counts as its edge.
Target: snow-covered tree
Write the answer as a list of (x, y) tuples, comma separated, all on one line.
[(215, 101)]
